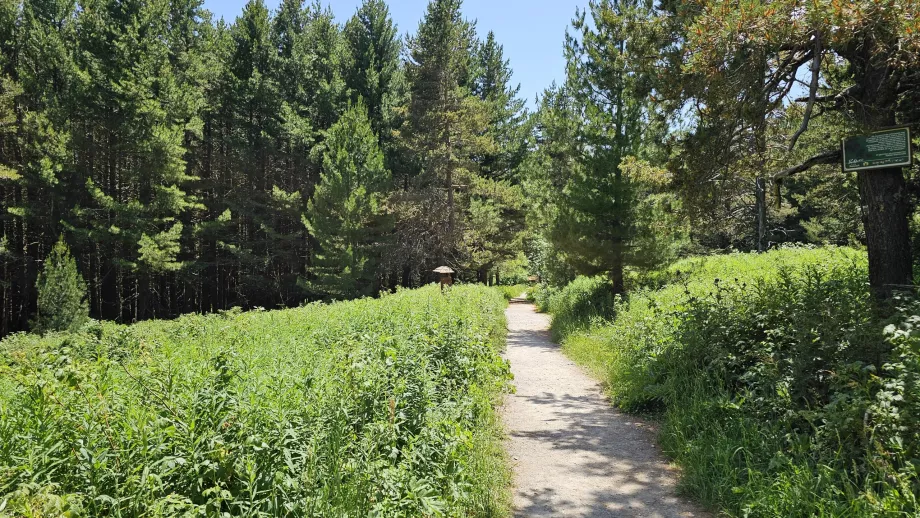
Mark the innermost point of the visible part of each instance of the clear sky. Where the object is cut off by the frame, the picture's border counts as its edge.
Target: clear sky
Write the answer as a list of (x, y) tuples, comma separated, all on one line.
[(531, 31)]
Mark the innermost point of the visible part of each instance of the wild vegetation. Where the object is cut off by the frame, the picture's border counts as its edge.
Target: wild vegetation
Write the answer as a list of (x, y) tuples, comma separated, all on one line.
[(365, 408), (783, 389), (156, 162)]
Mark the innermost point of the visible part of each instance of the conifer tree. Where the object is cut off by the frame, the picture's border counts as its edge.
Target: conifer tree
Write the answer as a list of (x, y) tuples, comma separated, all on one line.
[(346, 214), (62, 304), (507, 114), (8, 92), (595, 220), (445, 131), (373, 62), (496, 211)]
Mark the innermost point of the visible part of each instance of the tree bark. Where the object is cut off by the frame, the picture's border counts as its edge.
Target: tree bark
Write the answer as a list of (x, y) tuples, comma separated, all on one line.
[(884, 198), (761, 186), (616, 275)]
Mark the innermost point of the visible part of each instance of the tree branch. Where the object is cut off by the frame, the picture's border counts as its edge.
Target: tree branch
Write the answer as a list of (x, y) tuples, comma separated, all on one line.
[(838, 97), (828, 157), (813, 90), (787, 68)]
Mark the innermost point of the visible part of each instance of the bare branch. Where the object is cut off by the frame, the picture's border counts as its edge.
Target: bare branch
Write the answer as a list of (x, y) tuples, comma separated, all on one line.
[(838, 98), (813, 90), (828, 157), (785, 71)]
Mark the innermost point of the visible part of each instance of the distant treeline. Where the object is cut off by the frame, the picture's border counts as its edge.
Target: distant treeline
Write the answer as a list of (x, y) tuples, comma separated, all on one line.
[(193, 165)]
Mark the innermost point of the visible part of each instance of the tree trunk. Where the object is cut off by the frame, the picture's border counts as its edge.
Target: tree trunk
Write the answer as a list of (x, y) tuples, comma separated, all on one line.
[(616, 274), (886, 209), (761, 214)]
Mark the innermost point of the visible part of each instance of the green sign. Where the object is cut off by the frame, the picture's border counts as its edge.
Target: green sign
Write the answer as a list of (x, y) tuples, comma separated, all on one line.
[(889, 148)]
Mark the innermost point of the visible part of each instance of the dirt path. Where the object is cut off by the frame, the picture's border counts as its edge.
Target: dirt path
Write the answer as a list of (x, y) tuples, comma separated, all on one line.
[(573, 454)]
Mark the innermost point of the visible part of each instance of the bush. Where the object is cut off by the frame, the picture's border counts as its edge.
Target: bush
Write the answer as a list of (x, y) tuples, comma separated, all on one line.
[(62, 304), (585, 301), (365, 408), (512, 292), (781, 394)]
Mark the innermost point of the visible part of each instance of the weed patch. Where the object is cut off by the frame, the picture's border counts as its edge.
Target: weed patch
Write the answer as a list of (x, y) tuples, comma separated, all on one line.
[(784, 389), (365, 408)]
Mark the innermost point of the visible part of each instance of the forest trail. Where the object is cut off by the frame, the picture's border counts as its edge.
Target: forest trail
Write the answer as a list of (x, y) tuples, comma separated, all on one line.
[(574, 454)]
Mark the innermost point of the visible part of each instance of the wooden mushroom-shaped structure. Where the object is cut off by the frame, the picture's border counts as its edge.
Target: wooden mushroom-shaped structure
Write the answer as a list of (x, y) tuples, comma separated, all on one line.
[(446, 274)]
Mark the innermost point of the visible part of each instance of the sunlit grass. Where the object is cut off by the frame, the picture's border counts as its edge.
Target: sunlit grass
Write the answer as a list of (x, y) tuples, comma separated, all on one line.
[(365, 408), (779, 393)]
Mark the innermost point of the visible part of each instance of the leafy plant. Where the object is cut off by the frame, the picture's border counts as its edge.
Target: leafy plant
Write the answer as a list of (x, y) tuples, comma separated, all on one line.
[(783, 387), (367, 408)]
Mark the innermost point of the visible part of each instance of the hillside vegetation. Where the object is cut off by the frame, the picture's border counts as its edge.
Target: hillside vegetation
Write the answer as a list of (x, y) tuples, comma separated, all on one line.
[(365, 408), (782, 391)]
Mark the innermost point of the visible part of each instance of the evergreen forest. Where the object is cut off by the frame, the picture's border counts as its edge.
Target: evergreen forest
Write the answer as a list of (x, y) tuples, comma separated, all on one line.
[(193, 165)]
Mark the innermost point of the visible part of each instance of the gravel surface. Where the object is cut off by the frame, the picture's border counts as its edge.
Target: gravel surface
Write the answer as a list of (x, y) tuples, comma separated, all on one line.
[(573, 453)]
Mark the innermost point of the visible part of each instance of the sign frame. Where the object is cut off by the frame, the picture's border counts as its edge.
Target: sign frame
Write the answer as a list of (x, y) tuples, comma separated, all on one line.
[(910, 151)]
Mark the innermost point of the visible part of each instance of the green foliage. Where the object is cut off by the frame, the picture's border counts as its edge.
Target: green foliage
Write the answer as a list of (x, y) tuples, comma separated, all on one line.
[(781, 395), (373, 72), (584, 301), (598, 116), (62, 302), (596, 201), (366, 408), (180, 152), (346, 213), (513, 291)]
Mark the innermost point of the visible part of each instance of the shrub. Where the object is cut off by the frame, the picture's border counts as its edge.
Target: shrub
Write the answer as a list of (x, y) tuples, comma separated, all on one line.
[(513, 292), (781, 394), (62, 304), (364, 408), (584, 301)]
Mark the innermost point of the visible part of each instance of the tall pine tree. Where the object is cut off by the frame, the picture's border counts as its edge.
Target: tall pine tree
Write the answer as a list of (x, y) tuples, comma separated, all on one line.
[(346, 214), (445, 131), (61, 293)]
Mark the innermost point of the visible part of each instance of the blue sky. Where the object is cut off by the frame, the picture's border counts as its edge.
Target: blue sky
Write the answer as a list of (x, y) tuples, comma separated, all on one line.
[(532, 31)]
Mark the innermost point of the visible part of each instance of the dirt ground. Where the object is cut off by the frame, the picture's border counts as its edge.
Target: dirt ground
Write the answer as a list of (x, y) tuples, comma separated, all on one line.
[(573, 453)]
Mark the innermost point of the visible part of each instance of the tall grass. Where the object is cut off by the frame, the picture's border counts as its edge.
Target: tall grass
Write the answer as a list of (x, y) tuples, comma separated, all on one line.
[(513, 291), (780, 390), (365, 408)]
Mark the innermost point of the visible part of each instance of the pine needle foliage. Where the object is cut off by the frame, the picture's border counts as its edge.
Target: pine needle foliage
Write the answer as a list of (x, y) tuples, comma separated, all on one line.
[(346, 214), (62, 304)]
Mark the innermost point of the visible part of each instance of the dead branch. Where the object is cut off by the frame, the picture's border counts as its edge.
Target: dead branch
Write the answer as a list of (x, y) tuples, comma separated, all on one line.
[(813, 90), (828, 157)]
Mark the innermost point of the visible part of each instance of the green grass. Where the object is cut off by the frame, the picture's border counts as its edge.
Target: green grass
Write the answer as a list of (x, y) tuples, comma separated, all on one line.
[(512, 292), (366, 408), (783, 388)]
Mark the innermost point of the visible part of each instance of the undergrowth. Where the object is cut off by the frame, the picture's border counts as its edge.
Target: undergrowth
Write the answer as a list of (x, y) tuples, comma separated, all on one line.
[(784, 389), (365, 408), (513, 291)]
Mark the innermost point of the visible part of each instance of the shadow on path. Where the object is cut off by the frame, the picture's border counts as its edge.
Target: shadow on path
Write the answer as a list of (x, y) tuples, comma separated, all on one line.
[(575, 455)]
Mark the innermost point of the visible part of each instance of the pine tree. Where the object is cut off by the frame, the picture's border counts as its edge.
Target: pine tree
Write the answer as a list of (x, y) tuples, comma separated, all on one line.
[(507, 114), (496, 211), (8, 92), (346, 214), (38, 48), (62, 304), (373, 62), (595, 219), (445, 131)]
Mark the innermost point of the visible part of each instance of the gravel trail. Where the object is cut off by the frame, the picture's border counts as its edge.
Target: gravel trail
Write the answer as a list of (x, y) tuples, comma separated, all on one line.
[(573, 453)]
